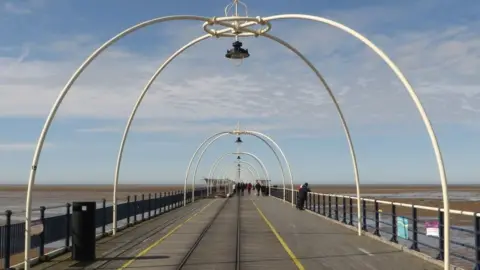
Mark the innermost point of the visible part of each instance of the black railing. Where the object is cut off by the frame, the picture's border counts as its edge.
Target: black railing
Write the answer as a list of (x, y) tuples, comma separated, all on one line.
[(464, 240), (56, 229)]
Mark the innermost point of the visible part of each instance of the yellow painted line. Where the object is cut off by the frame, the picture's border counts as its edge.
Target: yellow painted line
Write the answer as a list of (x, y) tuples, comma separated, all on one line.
[(280, 239), (156, 243)]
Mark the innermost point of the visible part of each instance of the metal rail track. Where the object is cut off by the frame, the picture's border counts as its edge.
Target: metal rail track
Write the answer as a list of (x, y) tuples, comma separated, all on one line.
[(205, 231), (141, 238)]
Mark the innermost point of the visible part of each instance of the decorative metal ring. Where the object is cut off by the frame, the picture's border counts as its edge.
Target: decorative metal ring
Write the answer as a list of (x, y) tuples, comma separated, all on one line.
[(231, 24)]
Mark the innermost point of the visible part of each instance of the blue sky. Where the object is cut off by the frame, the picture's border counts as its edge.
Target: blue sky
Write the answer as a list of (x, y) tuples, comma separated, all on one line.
[(435, 43)]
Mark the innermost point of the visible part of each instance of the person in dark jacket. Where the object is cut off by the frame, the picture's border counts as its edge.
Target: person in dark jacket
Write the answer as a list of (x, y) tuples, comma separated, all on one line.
[(302, 196), (242, 188), (258, 187)]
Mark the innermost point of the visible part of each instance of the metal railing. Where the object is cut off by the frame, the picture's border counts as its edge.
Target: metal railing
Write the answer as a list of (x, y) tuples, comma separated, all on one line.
[(56, 232), (404, 224)]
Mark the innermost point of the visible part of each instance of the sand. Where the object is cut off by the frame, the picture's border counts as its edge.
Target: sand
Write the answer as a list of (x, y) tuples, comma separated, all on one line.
[(472, 206), (98, 192)]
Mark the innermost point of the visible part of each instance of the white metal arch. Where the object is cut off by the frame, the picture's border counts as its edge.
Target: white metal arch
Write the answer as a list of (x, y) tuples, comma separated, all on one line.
[(322, 80), (268, 180), (253, 171), (187, 173), (250, 166), (416, 101), (251, 21), (267, 141), (257, 159), (217, 136)]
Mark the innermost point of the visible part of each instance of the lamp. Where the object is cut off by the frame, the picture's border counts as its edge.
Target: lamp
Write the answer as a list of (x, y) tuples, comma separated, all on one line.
[(237, 53)]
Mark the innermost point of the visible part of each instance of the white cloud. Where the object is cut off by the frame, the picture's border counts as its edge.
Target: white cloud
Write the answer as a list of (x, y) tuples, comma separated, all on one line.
[(16, 9), (272, 90), (22, 7)]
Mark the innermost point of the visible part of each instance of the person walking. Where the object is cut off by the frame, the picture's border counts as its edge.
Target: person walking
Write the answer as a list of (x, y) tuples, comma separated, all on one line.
[(258, 187), (234, 188), (249, 188)]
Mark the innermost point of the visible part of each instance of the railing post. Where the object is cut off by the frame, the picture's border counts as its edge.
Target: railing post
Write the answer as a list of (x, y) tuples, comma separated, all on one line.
[(329, 206), (104, 216), (336, 207), (318, 203), (155, 205), (8, 237), (441, 243), (149, 205), (41, 248), (162, 203), (344, 207), (128, 210), (364, 215), (350, 222), (415, 230), (477, 240), (67, 226), (377, 220), (324, 210), (175, 199), (180, 201), (135, 206), (143, 207), (394, 224), (167, 201), (310, 198), (313, 203)]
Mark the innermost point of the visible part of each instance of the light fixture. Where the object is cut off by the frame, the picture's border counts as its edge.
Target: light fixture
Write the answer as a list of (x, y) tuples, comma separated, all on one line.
[(239, 140), (237, 53)]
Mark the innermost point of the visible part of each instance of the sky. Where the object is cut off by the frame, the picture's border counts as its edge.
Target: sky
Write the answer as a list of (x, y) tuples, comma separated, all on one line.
[(436, 43)]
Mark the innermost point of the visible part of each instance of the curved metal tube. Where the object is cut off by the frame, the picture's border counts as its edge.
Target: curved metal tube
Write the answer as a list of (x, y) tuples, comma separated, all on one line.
[(346, 130), (331, 95), (255, 133), (265, 140), (259, 161), (132, 116), (56, 105), (250, 168), (416, 101), (342, 119), (215, 137)]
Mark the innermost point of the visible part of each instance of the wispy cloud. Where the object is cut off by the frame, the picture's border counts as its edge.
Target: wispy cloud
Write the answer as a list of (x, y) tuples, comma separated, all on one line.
[(10, 7), (22, 7), (272, 90)]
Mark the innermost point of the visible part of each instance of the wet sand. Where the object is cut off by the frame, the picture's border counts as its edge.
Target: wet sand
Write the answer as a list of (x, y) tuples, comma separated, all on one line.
[(413, 194)]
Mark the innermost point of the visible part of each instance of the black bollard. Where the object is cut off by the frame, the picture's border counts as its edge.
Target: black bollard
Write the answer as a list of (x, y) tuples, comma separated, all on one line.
[(83, 231)]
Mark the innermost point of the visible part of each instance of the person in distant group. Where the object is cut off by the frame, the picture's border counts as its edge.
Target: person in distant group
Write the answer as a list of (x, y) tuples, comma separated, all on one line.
[(249, 188), (302, 196), (243, 188), (234, 186), (258, 187)]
